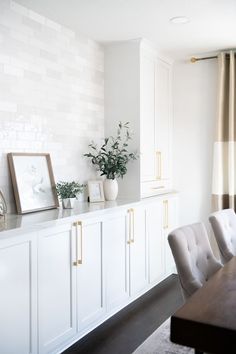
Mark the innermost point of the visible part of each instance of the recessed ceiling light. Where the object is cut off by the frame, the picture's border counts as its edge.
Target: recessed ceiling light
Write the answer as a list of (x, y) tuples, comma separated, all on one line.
[(179, 20)]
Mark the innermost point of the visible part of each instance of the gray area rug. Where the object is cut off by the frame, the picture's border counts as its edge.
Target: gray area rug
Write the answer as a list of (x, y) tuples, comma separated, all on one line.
[(159, 343)]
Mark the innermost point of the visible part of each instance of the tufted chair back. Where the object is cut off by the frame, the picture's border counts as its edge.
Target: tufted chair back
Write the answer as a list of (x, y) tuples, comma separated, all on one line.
[(223, 223), (193, 257)]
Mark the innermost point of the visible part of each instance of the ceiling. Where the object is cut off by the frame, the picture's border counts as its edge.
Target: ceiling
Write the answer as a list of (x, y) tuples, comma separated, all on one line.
[(212, 25)]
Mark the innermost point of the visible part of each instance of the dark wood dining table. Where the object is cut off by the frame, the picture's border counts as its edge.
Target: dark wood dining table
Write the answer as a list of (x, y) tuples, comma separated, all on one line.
[(207, 321)]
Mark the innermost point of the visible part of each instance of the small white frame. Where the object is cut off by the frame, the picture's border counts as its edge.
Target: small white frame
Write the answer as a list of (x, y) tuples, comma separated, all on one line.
[(95, 191)]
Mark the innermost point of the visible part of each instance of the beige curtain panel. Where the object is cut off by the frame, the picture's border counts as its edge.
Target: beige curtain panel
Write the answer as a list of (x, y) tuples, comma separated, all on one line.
[(224, 163)]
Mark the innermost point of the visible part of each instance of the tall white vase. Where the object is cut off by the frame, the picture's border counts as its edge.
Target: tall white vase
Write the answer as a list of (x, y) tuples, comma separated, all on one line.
[(110, 189), (68, 203)]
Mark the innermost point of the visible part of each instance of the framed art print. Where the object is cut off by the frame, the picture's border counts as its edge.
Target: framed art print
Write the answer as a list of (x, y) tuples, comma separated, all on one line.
[(33, 182), (3, 205), (95, 191)]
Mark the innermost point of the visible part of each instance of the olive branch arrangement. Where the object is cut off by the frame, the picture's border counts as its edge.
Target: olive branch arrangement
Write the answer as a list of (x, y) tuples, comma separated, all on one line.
[(112, 157)]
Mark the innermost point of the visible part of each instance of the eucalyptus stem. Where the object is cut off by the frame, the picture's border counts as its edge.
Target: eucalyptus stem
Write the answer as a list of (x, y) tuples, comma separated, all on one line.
[(112, 157)]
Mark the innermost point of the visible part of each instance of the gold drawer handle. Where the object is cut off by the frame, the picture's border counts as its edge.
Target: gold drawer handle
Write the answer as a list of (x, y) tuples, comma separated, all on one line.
[(131, 226), (166, 214), (78, 252), (158, 165)]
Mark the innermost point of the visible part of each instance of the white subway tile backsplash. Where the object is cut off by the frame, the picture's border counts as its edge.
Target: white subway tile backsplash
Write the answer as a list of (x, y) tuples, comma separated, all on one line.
[(53, 25), (36, 17), (48, 55), (8, 106), (32, 24), (32, 75), (13, 70), (19, 8), (51, 93), (5, 59)]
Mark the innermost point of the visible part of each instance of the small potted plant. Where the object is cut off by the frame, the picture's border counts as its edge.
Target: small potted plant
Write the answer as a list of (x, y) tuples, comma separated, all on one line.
[(111, 159), (68, 192)]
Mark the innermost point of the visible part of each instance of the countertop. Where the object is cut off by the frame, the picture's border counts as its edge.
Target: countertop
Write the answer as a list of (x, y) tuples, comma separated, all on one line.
[(14, 223)]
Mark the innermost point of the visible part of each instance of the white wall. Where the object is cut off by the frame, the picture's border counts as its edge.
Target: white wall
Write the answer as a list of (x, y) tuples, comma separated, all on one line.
[(51, 93), (194, 107)]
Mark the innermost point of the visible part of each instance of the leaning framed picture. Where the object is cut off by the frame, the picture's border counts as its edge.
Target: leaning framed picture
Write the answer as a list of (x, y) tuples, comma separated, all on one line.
[(33, 182), (3, 205), (95, 191)]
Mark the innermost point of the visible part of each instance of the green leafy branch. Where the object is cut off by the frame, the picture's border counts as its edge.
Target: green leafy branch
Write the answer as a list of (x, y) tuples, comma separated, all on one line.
[(69, 189), (112, 157)]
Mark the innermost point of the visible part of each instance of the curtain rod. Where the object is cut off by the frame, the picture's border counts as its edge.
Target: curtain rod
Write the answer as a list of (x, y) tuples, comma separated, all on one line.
[(194, 59)]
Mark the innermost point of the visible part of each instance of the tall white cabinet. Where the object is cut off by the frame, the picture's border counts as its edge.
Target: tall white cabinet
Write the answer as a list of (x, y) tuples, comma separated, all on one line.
[(138, 90)]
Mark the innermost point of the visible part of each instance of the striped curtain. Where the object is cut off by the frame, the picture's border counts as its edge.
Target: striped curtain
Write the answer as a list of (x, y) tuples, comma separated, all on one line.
[(224, 160)]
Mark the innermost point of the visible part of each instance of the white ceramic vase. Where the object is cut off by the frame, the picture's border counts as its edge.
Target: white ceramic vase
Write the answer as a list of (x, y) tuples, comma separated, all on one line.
[(68, 203), (110, 189), (80, 197)]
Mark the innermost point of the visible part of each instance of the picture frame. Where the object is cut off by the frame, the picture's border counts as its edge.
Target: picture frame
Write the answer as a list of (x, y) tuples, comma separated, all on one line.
[(3, 205), (33, 182), (95, 191)]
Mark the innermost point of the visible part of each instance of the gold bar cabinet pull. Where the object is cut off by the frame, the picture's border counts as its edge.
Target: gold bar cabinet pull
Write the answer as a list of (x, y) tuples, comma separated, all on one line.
[(166, 214), (158, 165), (131, 226), (80, 260), (76, 243), (132, 216)]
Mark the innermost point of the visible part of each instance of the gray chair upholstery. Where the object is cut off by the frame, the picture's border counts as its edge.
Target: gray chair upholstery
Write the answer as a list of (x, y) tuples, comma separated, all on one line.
[(194, 259), (223, 223)]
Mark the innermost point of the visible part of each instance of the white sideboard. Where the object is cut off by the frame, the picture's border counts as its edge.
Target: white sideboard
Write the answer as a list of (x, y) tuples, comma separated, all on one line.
[(64, 272), (138, 90)]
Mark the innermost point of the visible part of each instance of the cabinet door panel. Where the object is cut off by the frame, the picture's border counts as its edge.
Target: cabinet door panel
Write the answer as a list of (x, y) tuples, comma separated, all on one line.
[(90, 277), (18, 297), (147, 123), (116, 260), (163, 117), (170, 222), (57, 286), (156, 242), (138, 250)]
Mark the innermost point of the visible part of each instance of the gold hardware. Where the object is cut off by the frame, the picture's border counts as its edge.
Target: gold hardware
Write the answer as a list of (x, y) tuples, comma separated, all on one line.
[(132, 217), (159, 187), (129, 240), (131, 226), (158, 167), (76, 243), (194, 59), (166, 214), (80, 261)]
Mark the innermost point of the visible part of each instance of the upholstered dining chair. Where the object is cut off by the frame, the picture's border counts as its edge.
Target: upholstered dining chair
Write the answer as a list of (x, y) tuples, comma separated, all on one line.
[(194, 259), (223, 223)]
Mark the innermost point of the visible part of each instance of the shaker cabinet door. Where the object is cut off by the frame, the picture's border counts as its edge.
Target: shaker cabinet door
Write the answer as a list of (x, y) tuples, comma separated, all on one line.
[(147, 123), (156, 246), (18, 295), (116, 264), (170, 222), (137, 249), (163, 122), (90, 292), (57, 287)]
